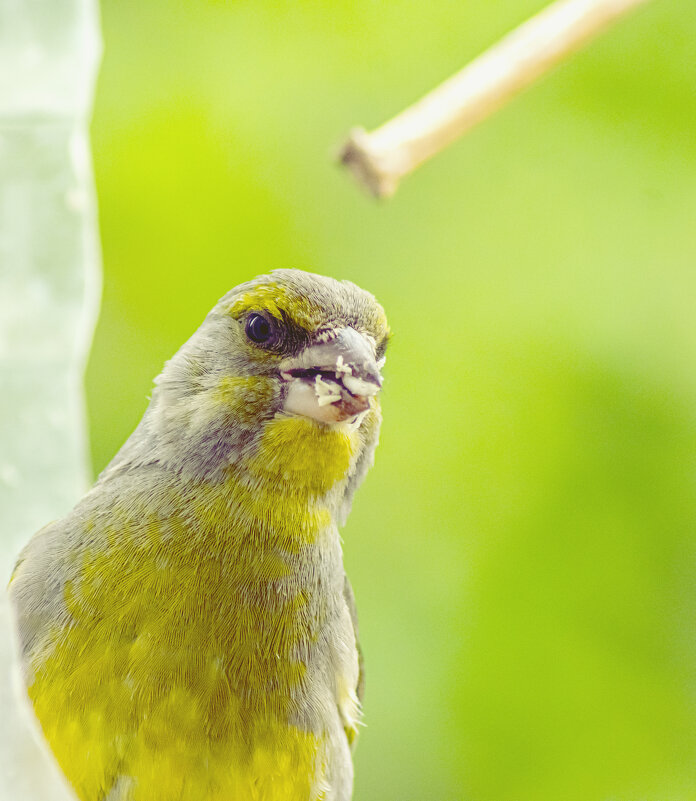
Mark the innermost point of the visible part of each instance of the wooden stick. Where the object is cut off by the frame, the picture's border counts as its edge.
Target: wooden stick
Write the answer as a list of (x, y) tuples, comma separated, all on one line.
[(381, 158)]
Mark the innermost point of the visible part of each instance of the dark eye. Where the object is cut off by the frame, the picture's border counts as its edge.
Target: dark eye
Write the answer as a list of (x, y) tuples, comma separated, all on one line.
[(258, 328)]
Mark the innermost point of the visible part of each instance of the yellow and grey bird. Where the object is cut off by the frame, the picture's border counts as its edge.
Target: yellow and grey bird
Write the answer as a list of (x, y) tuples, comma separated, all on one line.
[(187, 632)]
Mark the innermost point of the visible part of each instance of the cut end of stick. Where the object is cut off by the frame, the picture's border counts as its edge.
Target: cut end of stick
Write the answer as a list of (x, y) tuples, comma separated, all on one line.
[(371, 172)]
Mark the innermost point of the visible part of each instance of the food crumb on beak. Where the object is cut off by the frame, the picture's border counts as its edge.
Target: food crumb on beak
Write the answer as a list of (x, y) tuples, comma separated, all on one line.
[(341, 367), (326, 392)]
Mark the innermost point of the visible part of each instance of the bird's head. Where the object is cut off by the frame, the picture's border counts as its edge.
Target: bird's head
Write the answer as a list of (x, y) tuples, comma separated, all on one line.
[(320, 341), (289, 347)]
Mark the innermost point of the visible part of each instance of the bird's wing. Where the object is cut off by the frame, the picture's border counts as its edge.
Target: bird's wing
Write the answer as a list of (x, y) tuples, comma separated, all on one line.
[(36, 590), (351, 731)]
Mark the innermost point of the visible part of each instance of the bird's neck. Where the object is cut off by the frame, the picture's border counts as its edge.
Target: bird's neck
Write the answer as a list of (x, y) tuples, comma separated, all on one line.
[(285, 494)]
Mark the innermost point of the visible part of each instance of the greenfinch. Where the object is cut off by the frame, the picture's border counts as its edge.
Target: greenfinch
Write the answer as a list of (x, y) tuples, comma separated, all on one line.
[(187, 632)]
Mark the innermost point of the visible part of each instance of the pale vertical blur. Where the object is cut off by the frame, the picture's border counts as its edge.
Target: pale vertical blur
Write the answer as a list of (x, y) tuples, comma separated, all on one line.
[(49, 276)]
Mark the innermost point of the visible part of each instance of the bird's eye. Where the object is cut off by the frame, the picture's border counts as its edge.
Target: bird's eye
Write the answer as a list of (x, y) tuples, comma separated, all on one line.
[(258, 328)]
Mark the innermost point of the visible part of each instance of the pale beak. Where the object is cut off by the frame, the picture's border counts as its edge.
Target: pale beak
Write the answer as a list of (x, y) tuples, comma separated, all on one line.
[(333, 381)]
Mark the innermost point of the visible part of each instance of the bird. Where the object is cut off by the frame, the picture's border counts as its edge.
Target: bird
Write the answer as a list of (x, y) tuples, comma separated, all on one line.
[(187, 632)]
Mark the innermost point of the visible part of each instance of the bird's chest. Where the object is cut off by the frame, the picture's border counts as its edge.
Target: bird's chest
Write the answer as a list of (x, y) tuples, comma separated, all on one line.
[(245, 629), (217, 682), (208, 657)]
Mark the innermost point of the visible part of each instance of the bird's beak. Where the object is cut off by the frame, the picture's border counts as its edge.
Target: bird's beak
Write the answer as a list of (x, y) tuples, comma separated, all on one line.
[(333, 380)]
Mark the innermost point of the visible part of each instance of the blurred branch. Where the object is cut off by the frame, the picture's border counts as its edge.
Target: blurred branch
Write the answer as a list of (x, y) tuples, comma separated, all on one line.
[(379, 159)]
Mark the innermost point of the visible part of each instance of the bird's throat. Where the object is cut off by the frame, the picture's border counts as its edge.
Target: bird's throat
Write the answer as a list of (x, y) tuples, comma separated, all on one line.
[(300, 453)]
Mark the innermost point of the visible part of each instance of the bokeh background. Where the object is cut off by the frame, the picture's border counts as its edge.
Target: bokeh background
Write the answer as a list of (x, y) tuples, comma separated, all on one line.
[(523, 552)]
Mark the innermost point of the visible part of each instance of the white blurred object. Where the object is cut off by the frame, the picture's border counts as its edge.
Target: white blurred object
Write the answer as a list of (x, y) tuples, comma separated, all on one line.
[(49, 290)]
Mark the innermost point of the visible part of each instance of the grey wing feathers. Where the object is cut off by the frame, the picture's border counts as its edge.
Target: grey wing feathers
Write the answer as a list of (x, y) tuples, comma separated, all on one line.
[(350, 601), (36, 589)]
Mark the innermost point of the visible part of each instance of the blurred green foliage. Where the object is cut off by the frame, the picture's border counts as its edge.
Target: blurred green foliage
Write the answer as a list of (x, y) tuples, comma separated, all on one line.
[(523, 552)]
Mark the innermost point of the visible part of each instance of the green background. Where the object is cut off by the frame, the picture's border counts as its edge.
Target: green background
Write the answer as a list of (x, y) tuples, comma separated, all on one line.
[(523, 551)]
